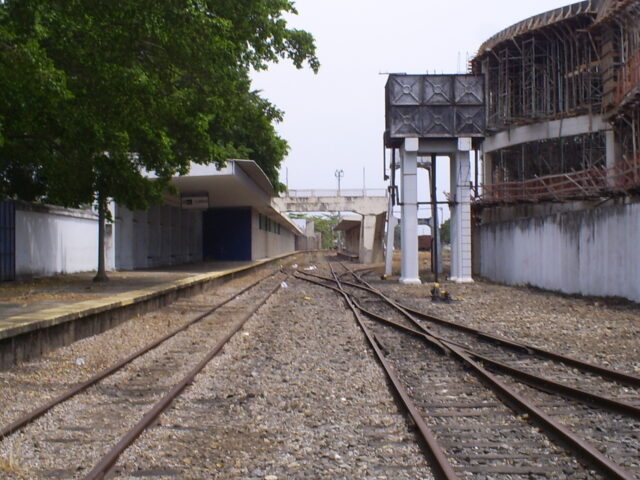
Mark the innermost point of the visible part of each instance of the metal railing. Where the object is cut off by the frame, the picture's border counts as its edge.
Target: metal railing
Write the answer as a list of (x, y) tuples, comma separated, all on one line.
[(344, 192), (590, 183)]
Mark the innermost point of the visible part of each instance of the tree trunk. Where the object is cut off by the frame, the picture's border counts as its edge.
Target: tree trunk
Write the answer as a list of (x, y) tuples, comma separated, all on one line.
[(101, 276)]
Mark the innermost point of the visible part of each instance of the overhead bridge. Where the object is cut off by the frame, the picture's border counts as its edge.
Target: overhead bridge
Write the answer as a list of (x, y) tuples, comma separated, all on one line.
[(371, 204)]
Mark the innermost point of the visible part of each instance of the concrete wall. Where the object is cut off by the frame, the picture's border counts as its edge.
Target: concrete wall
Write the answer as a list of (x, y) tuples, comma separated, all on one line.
[(311, 240), (587, 252), (52, 240), (266, 244), (163, 235)]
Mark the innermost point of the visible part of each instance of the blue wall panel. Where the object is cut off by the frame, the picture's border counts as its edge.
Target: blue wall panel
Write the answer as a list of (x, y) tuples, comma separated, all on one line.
[(7, 241), (226, 234)]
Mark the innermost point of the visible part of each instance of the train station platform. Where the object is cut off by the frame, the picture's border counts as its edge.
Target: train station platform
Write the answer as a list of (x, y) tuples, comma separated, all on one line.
[(40, 315)]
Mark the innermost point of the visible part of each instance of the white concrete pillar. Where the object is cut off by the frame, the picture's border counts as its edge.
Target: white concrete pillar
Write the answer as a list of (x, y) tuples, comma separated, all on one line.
[(409, 182), (613, 154), (453, 210), (367, 238), (612, 149), (392, 222), (461, 261)]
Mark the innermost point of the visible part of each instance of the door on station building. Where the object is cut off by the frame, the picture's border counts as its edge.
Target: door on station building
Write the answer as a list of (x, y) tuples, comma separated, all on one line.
[(226, 234)]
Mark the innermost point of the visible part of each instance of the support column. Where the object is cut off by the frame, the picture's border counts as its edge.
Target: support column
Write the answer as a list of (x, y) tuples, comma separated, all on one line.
[(409, 183), (612, 149), (391, 227), (613, 153), (461, 262), (367, 238)]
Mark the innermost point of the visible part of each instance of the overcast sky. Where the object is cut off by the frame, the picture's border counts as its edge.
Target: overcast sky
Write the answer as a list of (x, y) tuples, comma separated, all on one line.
[(335, 119)]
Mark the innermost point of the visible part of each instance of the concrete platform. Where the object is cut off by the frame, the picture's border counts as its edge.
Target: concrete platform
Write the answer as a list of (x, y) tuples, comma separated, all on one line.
[(39, 316)]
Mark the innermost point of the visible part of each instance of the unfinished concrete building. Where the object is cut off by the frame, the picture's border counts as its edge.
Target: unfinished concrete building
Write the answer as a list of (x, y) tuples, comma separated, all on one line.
[(558, 207)]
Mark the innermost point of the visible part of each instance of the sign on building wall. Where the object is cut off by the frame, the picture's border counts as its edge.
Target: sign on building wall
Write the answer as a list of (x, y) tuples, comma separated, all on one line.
[(195, 202)]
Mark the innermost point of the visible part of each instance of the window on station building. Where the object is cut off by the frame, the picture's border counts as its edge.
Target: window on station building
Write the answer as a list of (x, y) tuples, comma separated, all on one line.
[(268, 225)]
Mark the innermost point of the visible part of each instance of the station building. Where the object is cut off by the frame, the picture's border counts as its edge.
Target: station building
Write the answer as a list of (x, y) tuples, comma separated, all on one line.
[(218, 215), (559, 208)]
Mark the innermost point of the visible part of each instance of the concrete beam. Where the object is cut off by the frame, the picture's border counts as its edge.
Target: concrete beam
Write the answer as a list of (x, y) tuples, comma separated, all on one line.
[(566, 127), (437, 146), (361, 205)]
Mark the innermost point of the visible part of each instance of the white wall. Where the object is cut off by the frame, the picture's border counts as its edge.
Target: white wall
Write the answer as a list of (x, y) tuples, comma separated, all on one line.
[(52, 240), (163, 235), (267, 244), (588, 252)]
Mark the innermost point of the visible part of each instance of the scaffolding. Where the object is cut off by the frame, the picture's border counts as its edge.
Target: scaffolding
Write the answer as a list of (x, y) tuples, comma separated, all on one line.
[(619, 25), (527, 161), (542, 74), (583, 59), (591, 183)]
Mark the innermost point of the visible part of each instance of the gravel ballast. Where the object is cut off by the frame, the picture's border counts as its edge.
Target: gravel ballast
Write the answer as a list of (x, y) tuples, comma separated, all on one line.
[(297, 393)]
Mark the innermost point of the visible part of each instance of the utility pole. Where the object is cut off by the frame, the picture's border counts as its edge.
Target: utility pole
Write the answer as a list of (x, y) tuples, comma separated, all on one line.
[(339, 174)]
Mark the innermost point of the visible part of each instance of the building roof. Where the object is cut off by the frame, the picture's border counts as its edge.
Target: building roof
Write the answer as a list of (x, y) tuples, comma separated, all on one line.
[(541, 20), (240, 183), (348, 223), (609, 8)]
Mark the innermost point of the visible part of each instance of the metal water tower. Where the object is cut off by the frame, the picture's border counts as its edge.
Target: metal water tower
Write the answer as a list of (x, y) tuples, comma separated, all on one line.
[(429, 116)]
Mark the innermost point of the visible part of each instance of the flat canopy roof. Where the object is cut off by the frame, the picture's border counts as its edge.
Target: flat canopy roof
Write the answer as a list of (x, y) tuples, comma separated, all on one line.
[(240, 183), (348, 223)]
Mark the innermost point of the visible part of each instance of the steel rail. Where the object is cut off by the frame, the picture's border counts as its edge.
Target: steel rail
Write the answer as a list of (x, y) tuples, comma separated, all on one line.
[(582, 447), (38, 412), (627, 378), (443, 468), (108, 461), (533, 380), (530, 379)]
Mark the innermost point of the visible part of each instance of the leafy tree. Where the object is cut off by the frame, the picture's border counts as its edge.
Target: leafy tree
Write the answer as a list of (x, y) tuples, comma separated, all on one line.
[(325, 225), (94, 96), (445, 232)]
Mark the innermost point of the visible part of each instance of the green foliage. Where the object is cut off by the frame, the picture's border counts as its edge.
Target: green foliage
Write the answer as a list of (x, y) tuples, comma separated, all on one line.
[(445, 232), (325, 225), (94, 96)]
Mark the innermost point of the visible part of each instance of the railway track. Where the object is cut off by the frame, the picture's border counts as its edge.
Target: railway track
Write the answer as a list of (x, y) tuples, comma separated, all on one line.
[(97, 420), (492, 408)]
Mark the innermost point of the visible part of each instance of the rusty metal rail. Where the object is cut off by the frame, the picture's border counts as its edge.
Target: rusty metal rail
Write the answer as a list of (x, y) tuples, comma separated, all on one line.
[(108, 461), (608, 373), (582, 447), (536, 381), (38, 412), (443, 468)]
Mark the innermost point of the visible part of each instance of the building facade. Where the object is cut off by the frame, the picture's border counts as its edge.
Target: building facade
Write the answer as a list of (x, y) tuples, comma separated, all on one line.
[(559, 207), (218, 215)]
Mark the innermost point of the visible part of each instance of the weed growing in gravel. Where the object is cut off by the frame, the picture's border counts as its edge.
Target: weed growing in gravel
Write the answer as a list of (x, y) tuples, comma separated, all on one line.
[(11, 466)]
